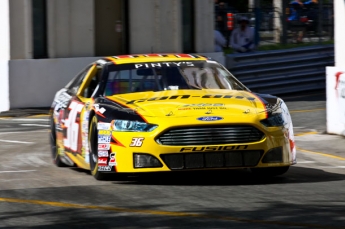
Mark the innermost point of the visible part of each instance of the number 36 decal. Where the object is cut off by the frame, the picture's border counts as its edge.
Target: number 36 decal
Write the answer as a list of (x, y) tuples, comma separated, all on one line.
[(137, 142), (72, 132)]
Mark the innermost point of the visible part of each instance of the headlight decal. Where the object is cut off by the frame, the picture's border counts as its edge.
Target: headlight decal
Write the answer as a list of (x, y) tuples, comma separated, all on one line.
[(132, 126)]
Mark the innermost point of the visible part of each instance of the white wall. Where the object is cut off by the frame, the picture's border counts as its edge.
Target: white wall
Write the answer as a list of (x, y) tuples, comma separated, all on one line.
[(336, 91), (155, 26), (33, 83), (4, 54), (339, 34), (70, 28), (335, 100)]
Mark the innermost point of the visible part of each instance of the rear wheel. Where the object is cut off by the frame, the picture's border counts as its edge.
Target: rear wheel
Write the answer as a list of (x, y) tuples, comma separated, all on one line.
[(54, 147), (271, 171), (93, 146)]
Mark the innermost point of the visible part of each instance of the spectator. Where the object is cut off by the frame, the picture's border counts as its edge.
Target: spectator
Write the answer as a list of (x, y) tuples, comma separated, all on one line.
[(242, 38), (219, 41)]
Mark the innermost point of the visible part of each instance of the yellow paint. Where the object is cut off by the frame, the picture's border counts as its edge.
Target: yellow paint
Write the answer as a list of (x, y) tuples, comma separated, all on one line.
[(104, 132), (160, 213), (322, 154), (304, 111), (79, 161), (306, 133), (39, 116)]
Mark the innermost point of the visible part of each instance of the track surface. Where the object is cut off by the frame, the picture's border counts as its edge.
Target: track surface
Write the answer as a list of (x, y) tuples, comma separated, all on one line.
[(36, 194)]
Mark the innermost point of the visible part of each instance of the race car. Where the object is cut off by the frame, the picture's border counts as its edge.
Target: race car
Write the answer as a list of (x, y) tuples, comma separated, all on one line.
[(164, 113)]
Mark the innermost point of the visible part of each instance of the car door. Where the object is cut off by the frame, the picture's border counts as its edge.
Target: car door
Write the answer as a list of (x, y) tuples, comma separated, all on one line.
[(83, 105)]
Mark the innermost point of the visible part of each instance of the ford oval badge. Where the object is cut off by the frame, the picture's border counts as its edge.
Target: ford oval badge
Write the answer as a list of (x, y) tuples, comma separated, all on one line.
[(210, 118)]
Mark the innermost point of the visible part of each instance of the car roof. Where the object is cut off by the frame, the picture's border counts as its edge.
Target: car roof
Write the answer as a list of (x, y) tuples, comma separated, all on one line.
[(152, 57)]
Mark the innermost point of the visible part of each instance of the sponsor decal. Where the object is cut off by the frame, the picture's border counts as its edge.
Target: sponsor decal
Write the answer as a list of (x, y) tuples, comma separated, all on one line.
[(104, 168), (175, 97), (103, 154), (210, 118), (61, 100), (99, 110), (213, 148), (104, 132), (137, 142), (102, 161), (112, 161), (84, 128), (103, 126), (104, 139), (103, 146), (205, 105), (165, 64)]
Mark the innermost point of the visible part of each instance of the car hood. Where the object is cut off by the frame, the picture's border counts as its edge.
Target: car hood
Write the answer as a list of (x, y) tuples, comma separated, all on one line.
[(187, 103)]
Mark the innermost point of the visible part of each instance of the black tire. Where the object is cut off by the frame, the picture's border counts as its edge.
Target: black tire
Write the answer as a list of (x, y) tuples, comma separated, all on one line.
[(270, 172), (93, 146), (54, 148)]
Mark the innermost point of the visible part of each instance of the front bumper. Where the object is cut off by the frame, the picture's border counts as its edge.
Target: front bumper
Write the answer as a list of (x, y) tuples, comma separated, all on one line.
[(273, 150)]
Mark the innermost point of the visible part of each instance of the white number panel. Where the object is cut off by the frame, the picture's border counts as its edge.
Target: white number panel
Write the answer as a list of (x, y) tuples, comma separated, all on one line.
[(72, 131)]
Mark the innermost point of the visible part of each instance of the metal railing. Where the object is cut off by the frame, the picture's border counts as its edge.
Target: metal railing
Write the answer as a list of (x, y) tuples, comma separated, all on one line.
[(282, 72)]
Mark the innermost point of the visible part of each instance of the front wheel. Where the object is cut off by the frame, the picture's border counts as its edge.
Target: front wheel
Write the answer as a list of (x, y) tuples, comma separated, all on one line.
[(271, 171), (93, 146)]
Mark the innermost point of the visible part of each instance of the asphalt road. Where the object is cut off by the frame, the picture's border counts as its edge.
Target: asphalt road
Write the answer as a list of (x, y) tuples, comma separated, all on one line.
[(36, 194)]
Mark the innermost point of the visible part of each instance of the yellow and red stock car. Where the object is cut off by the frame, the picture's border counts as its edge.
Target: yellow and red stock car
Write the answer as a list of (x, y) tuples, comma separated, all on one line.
[(167, 112)]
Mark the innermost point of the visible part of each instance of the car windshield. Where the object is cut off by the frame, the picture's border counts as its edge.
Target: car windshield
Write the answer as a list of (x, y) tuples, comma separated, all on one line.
[(161, 76)]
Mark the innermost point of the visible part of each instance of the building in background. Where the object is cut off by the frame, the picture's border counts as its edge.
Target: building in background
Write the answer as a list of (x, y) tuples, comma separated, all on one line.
[(44, 43)]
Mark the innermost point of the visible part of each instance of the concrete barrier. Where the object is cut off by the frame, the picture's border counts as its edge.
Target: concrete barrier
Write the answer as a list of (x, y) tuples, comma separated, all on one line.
[(33, 83)]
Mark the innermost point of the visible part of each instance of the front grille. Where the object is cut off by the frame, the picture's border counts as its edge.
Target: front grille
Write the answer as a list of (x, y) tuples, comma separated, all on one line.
[(210, 135), (180, 161)]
